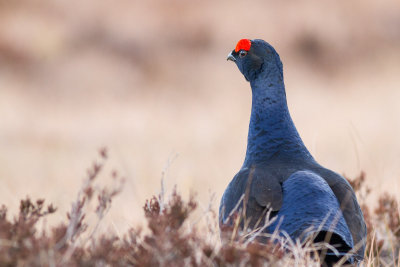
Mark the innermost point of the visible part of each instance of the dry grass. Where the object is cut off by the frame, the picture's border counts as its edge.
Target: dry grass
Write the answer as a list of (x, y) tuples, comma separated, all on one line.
[(172, 237)]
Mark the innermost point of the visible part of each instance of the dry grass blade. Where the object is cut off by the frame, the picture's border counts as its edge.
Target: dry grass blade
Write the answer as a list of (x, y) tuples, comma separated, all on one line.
[(172, 239)]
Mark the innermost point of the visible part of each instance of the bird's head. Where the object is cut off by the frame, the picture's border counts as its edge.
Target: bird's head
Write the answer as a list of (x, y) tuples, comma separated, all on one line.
[(254, 57)]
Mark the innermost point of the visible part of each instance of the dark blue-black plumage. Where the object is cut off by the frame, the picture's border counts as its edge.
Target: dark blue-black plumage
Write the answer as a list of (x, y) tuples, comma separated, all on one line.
[(280, 173), (311, 210)]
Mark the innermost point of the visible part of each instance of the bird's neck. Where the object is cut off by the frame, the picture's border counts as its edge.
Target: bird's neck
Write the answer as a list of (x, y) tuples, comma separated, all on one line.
[(272, 134)]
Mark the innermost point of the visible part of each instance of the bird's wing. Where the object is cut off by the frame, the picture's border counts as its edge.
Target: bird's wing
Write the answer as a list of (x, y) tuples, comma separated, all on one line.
[(350, 207), (351, 212), (266, 190), (308, 201)]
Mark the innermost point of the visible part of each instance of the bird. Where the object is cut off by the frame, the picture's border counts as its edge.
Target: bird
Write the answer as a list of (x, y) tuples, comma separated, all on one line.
[(279, 176)]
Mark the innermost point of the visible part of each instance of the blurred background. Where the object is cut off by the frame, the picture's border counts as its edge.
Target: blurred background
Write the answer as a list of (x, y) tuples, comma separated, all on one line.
[(149, 80)]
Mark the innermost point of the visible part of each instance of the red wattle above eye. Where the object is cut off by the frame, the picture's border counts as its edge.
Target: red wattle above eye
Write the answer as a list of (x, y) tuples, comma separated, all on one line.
[(243, 44)]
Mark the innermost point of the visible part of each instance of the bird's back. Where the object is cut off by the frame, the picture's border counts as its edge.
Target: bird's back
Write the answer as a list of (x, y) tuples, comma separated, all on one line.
[(308, 193), (311, 210)]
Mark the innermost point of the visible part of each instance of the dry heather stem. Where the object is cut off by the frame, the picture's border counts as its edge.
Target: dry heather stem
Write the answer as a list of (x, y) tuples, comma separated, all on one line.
[(174, 239)]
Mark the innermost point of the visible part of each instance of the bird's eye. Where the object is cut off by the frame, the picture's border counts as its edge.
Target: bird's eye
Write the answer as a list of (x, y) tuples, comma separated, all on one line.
[(242, 53)]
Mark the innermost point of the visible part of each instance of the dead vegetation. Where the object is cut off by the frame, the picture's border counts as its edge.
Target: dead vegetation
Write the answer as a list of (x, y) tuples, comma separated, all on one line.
[(171, 237)]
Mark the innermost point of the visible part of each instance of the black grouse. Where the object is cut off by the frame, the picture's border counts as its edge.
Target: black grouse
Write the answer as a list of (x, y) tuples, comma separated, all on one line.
[(280, 174)]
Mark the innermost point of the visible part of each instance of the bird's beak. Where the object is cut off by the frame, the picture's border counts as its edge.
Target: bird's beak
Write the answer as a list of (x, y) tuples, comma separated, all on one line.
[(231, 57)]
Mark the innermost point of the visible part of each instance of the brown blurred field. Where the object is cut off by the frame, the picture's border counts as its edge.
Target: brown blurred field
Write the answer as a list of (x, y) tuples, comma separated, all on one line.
[(149, 80)]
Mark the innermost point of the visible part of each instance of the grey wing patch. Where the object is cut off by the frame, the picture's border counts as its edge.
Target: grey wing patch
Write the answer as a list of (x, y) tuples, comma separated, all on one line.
[(266, 190)]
